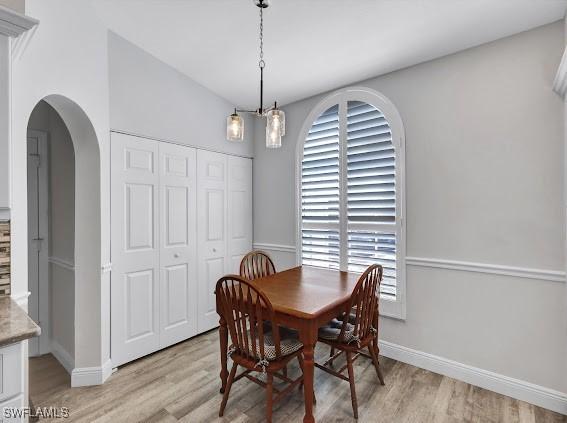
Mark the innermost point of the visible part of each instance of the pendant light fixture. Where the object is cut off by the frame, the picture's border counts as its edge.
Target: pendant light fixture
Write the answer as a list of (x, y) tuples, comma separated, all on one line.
[(275, 118)]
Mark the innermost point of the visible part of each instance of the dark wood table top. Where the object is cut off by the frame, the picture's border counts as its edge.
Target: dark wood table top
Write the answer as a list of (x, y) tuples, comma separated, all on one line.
[(307, 292)]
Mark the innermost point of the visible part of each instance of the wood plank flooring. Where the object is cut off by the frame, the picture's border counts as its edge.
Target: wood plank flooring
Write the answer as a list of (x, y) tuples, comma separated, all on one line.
[(181, 383)]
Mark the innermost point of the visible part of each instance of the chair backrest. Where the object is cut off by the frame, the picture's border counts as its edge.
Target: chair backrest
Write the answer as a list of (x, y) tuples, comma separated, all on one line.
[(245, 309), (364, 304), (256, 264)]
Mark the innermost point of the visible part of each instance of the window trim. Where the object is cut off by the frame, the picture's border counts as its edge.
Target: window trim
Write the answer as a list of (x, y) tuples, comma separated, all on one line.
[(397, 308)]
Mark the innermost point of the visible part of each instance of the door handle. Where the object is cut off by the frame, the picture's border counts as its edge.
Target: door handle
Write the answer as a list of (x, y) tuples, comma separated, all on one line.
[(176, 255), (37, 239)]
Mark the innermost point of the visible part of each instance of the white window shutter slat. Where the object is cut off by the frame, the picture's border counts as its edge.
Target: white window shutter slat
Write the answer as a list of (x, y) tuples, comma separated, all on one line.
[(320, 192), (370, 214)]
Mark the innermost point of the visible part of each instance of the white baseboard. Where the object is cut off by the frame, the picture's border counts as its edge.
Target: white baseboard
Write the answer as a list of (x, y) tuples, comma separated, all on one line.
[(518, 389), (62, 356), (88, 376)]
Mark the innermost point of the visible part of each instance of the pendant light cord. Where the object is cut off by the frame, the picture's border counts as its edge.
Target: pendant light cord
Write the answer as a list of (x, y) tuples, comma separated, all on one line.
[(261, 62)]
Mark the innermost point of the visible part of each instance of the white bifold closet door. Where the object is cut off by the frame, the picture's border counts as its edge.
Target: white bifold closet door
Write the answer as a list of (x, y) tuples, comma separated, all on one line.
[(153, 241), (178, 243), (224, 198), (239, 211)]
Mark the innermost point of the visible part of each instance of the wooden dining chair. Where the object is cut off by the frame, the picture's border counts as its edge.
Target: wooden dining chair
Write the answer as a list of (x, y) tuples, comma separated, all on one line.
[(244, 309), (351, 335), (256, 264)]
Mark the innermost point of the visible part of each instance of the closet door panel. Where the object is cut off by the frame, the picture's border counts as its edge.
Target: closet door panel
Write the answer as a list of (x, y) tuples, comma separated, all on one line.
[(212, 231), (178, 248), (135, 248), (239, 210)]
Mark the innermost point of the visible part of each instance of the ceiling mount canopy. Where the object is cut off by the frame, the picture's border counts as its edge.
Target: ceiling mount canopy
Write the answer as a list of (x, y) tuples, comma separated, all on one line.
[(275, 118), (262, 3)]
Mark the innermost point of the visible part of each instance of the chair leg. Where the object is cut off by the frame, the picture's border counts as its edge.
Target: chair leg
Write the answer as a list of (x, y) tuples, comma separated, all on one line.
[(300, 360), (284, 371), (351, 381), (227, 389), (269, 402), (374, 356), (332, 353)]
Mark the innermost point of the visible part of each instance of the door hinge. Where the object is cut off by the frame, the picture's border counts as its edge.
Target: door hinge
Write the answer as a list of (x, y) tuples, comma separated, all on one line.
[(36, 159), (38, 243)]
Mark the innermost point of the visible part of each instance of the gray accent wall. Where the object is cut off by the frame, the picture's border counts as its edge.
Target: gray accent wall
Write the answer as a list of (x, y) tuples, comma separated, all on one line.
[(152, 99), (484, 184)]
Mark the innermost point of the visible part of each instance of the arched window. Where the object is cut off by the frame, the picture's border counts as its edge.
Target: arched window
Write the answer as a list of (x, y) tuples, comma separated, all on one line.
[(351, 172)]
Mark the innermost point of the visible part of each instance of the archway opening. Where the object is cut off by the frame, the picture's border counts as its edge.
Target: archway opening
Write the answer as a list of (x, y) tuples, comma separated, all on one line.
[(64, 225), (51, 234)]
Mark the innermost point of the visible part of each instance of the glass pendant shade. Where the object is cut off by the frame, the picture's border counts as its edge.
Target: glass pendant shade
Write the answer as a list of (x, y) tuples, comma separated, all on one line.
[(234, 127), (275, 128)]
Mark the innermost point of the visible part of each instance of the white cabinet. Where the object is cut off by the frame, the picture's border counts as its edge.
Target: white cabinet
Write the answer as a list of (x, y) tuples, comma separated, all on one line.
[(181, 218), (11, 381), (5, 55), (11, 371), (12, 25)]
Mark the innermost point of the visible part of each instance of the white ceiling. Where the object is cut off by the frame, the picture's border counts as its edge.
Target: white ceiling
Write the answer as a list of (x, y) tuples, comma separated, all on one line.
[(312, 46)]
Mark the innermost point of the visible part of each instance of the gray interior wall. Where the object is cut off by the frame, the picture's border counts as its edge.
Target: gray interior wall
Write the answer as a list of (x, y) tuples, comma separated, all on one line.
[(150, 98), (61, 224), (484, 184), (565, 185), (17, 5)]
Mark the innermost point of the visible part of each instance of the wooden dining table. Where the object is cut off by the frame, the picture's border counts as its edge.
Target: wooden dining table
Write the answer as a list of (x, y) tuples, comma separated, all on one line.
[(304, 298)]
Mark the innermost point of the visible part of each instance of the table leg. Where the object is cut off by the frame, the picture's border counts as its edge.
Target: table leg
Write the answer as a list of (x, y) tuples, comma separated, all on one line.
[(223, 336), (308, 339)]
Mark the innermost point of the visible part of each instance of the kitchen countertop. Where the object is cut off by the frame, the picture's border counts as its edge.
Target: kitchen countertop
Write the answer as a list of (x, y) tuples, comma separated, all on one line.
[(15, 324)]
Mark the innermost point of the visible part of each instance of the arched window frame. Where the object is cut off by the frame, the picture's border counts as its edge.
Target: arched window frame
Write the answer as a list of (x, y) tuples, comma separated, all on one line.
[(393, 308)]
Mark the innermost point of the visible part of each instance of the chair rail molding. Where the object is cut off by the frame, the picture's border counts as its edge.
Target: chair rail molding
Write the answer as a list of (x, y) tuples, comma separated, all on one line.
[(457, 265), (275, 247), (493, 269), (560, 82), (62, 263), (13, 24)]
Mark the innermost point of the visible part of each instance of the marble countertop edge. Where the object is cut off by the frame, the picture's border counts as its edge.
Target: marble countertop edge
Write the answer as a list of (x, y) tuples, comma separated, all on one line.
[(15, 324)]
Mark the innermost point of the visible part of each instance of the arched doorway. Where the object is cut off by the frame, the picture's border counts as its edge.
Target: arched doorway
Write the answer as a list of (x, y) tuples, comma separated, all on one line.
[(51, 234), (74, 238)]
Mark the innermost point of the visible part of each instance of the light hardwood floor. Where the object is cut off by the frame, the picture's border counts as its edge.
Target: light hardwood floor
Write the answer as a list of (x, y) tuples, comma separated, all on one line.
[(181, 383)]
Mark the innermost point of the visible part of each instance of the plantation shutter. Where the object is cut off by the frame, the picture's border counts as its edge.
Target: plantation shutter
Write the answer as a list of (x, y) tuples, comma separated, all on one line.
[(320, 192), (371, 193), (363, 206)]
